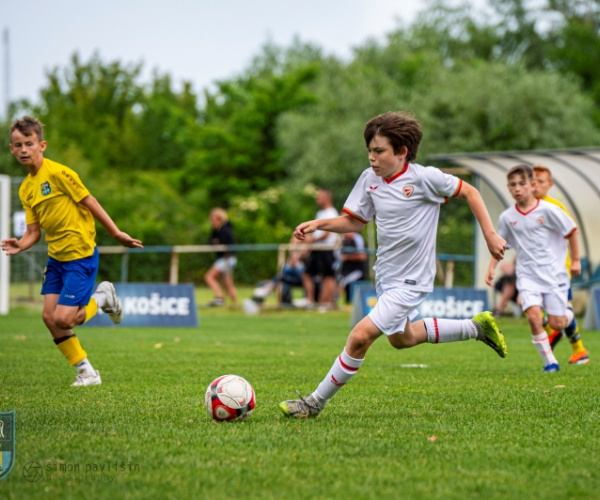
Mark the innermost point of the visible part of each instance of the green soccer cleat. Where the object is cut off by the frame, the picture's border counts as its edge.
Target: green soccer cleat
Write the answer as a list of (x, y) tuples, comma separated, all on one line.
[(489, 333), (301, 408)]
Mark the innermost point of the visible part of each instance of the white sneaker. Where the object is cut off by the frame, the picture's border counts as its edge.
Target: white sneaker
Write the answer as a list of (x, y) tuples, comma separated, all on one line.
[(81, 380), (112, 306), (262, 292)]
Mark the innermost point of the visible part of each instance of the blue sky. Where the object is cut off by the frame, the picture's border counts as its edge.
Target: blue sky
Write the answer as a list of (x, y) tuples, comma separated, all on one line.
[(195, 40)]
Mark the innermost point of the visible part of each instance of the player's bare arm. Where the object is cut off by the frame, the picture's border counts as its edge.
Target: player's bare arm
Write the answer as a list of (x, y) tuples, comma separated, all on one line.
[(12, 246), (496, 244), (489, 276), (341, 224), (103, 218), (575, 259)]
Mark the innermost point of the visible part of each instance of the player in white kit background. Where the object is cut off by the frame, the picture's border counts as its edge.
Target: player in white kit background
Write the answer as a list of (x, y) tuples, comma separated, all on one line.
[(539, 231), (404, 199)]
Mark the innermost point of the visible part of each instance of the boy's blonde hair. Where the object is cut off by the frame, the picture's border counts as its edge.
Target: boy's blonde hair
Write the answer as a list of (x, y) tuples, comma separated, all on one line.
[(220, 213)]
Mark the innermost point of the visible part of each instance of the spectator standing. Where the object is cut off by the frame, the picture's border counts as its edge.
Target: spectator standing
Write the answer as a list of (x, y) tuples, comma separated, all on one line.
[(222, 269), (321, 263)]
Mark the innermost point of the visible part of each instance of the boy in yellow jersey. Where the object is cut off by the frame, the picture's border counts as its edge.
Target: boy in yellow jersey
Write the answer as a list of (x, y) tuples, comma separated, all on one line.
[(55, 200), (543, 183)]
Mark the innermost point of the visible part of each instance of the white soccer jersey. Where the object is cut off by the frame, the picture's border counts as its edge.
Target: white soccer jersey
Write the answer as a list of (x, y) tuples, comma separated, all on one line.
[(538, 237), (406, 210)]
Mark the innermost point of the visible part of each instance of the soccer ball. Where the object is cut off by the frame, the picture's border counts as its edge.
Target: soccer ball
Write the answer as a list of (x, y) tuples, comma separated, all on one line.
[(229, 397)]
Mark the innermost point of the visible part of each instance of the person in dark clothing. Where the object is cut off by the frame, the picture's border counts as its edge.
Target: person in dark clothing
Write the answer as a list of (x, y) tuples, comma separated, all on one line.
[(354, 263), (222, 268)]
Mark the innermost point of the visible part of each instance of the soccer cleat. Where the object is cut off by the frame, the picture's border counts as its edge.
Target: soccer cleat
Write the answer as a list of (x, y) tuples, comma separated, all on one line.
[(91, 380), (552, 368), (112, 306), (301, 408), (489, 333), (555, 337), (579, 358), (216, 302)]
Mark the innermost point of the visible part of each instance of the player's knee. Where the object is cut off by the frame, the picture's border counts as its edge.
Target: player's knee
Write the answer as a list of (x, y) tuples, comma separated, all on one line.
[(359, 340), (64, 321), (557, 322), (48, 318)]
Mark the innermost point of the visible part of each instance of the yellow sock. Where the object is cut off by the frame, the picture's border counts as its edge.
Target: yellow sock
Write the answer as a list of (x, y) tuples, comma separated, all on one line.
[(90, 309), (72, 350), (549, 330), (577, 346)]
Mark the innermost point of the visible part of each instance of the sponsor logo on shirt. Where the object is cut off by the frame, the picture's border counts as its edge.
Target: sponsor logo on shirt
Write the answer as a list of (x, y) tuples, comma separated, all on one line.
[(408, 190), (45, 187), (70, 177), (373, 188), (410, 282), (512, 223)]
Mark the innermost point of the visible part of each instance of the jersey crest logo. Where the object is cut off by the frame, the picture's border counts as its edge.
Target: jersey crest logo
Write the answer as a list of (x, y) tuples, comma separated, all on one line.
[(373, 188), (541, 220), (45, 187), (408, 190)]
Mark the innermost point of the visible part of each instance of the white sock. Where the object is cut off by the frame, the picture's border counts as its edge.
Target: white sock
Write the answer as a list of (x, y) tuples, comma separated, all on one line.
[(343, 369), (540, 341), (100, 299), (85, 368), (449, 330), (570, 316)]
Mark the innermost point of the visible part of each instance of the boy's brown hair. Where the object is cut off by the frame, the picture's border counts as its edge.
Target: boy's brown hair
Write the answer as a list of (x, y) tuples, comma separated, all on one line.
[(525, 170), (28, 126), (401, 129)]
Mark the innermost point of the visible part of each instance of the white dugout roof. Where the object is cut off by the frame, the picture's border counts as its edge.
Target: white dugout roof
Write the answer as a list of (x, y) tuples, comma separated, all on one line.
[(576, 175)]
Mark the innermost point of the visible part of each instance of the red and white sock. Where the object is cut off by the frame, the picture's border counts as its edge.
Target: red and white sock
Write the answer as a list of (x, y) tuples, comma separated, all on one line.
[(343, 369), (540, 341), (449, 330)]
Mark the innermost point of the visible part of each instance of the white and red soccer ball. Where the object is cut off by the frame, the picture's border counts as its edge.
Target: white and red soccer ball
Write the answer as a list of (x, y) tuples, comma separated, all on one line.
[(229, 397)]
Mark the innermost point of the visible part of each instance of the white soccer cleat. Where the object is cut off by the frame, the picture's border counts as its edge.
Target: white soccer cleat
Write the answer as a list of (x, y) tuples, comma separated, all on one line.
[(112, 306), (81, 380)]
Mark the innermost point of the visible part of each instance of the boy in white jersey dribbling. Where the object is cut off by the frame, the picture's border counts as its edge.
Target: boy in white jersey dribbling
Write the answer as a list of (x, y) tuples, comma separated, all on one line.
[(537, 230), (404, 198)]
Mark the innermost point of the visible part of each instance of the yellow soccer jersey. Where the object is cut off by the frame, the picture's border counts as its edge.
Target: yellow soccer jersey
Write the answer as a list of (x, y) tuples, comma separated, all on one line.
[(558, 203), (51, 198)]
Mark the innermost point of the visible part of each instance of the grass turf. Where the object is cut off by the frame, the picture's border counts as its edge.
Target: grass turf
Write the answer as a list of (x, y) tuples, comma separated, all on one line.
[(468, 425)]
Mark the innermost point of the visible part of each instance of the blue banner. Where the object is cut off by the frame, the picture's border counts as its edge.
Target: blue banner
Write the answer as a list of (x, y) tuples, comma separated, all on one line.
[(592, 311), (153, 304), (452, 303)]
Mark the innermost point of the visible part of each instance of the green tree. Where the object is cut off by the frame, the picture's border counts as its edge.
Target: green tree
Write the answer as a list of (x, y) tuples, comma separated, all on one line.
[(238, 152)]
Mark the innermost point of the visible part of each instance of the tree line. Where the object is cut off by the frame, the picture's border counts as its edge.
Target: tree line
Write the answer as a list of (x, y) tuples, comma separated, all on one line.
[(525, 76)]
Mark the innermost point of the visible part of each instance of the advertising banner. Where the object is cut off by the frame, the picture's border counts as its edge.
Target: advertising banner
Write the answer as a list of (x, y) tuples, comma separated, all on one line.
[(451, 303), (153, 304)]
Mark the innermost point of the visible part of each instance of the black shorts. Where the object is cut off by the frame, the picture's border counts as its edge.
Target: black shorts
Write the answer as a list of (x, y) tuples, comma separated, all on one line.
[(321, 263)]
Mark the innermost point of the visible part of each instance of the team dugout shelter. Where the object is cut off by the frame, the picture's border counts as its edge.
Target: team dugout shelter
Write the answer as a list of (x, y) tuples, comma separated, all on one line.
[(576, 176)]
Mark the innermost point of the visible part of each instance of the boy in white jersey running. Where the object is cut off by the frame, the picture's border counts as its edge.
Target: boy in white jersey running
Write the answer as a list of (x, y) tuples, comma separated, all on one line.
[(537, 230), (404, 198)]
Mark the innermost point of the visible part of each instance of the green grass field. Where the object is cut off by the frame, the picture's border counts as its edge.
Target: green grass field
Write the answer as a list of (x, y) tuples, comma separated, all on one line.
[(469, 425)]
